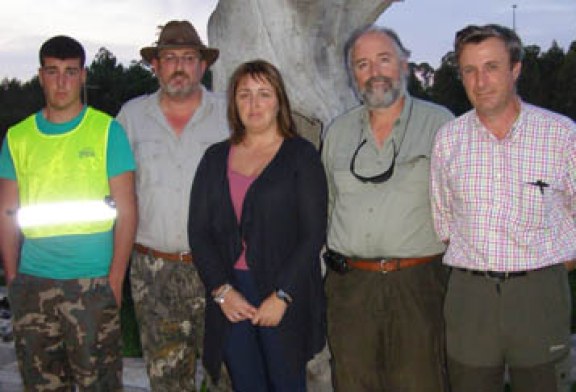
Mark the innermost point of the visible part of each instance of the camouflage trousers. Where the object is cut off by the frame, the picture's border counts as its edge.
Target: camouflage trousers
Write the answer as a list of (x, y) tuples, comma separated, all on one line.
[(169, 303), (67, 334)]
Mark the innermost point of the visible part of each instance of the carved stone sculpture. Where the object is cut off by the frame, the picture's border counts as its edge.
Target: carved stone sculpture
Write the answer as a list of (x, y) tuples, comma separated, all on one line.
[(303, 38)]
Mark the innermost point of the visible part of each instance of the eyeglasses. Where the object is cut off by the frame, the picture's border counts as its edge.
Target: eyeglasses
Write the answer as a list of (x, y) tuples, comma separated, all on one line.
[(186, 60), (378, 179)]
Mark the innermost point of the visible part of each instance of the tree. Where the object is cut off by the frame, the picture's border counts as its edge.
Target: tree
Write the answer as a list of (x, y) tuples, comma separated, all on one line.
[(550, 63), (109, 84), (529, 84), (425, 74), (565, 88), (18, 100), (447, 89), (416, 86)]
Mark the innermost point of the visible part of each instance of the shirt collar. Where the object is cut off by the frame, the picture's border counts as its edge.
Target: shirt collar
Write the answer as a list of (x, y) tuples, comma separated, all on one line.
[(400, 125), (515, 130), (155, 110)]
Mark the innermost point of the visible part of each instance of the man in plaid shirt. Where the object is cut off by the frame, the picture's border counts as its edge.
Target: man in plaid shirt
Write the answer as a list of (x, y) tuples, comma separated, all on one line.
[(503, 185)]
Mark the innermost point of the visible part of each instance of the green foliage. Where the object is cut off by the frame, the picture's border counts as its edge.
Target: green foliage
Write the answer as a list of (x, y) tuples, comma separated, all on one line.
[(18, 100), (529, 84), (109, 84), (417, 81), (447, 89), (566, 84)]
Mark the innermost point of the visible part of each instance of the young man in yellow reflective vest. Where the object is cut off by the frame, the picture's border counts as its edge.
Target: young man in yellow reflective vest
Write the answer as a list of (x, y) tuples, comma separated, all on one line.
[(67, 223)]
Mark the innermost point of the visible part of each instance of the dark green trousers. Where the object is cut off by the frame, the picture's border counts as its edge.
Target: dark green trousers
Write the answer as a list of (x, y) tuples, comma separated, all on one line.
[(522, 323), (386, 331)]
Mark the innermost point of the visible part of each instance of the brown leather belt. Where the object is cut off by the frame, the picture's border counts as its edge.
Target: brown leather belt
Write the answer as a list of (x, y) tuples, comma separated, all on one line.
[(388, 265), (184, 257)]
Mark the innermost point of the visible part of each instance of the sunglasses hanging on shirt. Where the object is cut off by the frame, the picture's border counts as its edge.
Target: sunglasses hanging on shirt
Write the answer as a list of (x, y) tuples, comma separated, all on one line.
[(380, 178), (377, 179)]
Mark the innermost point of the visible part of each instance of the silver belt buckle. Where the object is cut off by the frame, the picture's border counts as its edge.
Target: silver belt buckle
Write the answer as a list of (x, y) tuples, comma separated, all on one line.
[(382, 263), (386, 261), (183, 254)]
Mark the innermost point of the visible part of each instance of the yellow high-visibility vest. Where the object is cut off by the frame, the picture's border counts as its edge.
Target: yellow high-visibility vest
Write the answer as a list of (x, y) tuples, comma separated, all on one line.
[(62, 178)]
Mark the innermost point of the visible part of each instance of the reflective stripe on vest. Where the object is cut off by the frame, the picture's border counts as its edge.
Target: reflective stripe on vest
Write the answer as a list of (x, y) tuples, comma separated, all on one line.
[(54, 214), (56, 173)]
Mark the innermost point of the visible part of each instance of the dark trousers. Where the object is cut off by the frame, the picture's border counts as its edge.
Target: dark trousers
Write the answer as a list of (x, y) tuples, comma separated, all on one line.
[(522, 323), (386, 331), (255, 355)]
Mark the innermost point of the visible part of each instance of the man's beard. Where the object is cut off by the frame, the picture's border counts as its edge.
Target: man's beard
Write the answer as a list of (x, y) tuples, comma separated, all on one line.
[(179, 90), (380, 97)]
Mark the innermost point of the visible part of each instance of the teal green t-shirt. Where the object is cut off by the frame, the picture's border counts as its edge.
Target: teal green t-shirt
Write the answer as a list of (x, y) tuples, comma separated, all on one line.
[(72, 256)]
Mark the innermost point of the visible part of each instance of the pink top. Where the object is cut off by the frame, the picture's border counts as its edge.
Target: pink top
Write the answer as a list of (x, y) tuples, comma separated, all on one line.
[(239, 185)]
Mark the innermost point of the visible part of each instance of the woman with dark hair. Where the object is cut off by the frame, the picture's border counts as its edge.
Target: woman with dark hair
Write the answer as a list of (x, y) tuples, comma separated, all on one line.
[(256, 225)]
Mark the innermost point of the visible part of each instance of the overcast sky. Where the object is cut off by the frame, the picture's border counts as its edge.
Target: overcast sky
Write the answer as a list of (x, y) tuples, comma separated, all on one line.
[(427, 27)]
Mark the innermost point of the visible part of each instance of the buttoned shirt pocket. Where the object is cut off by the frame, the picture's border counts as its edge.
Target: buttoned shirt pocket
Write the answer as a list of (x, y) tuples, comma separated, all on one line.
[(413, 173), (148, 154), (535, 199), (346, 183)]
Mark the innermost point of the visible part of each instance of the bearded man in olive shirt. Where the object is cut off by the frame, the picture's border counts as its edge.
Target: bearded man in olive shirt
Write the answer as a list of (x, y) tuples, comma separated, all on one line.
[(385, 284)]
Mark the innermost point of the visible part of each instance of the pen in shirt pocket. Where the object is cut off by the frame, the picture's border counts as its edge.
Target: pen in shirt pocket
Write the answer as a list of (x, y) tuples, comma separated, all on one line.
[(540, 184)]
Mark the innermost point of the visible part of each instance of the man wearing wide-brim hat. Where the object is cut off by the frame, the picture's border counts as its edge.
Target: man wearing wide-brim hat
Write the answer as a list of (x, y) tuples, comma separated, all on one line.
[(169, 131), (179, 34)]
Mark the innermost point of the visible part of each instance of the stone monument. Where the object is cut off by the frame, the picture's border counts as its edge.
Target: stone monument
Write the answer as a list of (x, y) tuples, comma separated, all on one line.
[(304, 39)]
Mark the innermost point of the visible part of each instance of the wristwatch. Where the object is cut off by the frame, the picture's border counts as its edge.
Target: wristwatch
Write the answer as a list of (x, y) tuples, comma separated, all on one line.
[(219, 296), (284, 296)]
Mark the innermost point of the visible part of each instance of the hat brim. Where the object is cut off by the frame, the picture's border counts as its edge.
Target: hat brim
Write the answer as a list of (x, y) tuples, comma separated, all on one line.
[(210, 55)]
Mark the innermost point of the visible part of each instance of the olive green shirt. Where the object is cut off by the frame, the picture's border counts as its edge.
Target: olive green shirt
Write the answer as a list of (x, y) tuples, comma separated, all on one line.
[(393, 218)]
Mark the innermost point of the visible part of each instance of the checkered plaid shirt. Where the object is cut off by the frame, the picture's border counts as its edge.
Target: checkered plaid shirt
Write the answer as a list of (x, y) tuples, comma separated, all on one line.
[(510, 204)]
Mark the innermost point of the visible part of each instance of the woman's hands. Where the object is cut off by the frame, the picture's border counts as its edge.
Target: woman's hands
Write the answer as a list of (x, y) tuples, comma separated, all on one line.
[(236, 308), (270, 312)]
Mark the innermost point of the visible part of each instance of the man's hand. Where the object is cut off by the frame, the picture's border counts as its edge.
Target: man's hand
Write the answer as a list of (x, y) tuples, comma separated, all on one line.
[(9, 230), (122, 192), (116, 286)]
